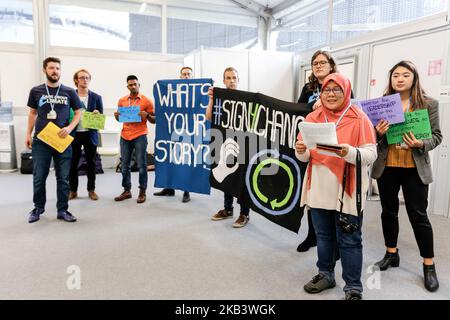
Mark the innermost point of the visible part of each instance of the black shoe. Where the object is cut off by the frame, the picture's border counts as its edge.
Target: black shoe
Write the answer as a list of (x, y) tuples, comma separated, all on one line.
[(389, 260), (186, 197), (353, 295), (165, 192), (66, 216), (430, 278), (307, 244)]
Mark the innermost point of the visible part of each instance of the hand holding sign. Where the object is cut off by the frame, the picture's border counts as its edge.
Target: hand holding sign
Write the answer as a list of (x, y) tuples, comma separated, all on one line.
[(143, 114), (129, 114), (411, 141), (382, 127), (300, 147)]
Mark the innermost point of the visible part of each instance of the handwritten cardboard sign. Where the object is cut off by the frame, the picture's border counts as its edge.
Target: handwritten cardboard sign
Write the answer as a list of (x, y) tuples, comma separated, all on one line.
[(387, 108), (129, 114), (49, 135), (91, 120), (418, 122)]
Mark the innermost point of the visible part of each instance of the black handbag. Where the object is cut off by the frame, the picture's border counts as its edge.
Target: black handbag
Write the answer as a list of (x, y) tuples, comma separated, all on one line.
[(26, 163)]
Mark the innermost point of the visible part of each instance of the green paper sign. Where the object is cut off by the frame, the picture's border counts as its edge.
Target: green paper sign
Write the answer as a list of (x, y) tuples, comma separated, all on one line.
[(418, 122), (91, 120)]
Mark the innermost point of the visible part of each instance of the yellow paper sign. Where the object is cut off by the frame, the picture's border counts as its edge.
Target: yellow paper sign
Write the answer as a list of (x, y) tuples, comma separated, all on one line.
[(49, 135)]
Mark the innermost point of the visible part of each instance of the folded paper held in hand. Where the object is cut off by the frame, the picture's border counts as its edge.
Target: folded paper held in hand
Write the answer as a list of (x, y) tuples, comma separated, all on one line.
[(313, 133), (49, 135)]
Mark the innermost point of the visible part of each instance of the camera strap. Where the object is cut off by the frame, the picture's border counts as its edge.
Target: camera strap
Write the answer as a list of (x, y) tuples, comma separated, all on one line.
[(358, 184)]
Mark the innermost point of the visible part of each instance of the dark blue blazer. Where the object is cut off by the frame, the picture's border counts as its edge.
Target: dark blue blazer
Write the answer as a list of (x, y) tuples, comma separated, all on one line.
[(95, 102)]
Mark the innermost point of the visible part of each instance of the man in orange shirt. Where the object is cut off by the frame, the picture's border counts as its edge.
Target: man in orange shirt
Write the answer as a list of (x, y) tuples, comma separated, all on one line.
[(134, 137)]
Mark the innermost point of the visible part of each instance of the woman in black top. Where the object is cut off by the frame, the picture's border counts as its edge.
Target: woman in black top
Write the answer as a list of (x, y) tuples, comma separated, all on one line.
[(322, 64)]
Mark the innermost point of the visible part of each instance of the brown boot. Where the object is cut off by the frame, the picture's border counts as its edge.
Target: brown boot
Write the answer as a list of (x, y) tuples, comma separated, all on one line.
[(72, 195), (141, 198), (124, 195), (92, 195)]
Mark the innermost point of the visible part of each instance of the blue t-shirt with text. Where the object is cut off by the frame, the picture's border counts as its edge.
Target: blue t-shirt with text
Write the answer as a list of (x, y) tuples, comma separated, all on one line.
[(66, 99)]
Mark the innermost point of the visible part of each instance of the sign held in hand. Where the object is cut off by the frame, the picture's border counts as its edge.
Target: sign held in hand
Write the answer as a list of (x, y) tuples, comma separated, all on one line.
[(92, 120), (49, 135), (387, 108), (418, 122), (129, 114)]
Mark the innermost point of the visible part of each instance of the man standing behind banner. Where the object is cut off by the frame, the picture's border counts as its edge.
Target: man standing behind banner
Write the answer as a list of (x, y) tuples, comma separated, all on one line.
[(185, 73), (231, 81), (51, 102), (134, 137), (86, 138)]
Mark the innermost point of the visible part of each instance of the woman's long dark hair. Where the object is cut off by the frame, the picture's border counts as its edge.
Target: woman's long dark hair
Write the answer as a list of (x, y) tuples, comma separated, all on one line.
[(313, 83), (417, 94)]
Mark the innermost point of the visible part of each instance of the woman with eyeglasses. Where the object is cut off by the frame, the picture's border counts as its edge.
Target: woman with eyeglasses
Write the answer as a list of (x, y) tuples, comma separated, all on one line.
[(407, 165), (322, 64), (330, 187)]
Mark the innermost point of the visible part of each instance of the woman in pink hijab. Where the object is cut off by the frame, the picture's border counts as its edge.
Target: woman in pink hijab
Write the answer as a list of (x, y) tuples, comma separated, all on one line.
[(330, 187)]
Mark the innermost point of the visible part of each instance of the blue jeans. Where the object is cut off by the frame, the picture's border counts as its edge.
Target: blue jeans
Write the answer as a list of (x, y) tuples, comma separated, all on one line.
[(228, 204), (330, 239), (126, 149), (42, 157)]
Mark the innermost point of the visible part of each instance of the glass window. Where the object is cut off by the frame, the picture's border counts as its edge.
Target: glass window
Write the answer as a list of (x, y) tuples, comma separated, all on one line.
[(125, 29), (309, 32), (352, 18), (16, 21), (184, 36)]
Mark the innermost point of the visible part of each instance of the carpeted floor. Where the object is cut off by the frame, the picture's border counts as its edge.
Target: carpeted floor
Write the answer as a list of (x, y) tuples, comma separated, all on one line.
[(165, 249)]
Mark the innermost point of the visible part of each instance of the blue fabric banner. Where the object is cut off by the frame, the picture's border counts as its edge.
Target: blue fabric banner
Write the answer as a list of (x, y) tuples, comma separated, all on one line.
[(182, 134)]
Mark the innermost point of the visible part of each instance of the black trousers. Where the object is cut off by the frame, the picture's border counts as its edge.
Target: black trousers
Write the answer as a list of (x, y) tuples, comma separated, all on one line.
[(415, 194), (83, 139)]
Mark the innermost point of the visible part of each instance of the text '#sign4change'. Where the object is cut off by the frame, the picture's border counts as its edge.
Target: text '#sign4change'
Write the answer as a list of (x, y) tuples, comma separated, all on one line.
[(253, 159)]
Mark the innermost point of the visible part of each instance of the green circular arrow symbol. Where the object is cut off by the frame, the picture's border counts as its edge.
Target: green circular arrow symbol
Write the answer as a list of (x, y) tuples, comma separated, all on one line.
[(274, 203)]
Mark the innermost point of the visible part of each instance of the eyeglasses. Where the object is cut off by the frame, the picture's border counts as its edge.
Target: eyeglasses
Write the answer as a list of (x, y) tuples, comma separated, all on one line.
[(83, 78), (336, 91), (321, 63)]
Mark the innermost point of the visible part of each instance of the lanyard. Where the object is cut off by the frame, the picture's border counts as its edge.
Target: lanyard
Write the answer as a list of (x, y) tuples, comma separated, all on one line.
[(52, 104), (409, 105), (340, 118), (132, 99)]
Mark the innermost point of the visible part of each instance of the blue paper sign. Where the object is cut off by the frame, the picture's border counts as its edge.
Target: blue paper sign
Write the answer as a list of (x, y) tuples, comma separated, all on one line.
[(129, 114), (182, 134), (387, 108)]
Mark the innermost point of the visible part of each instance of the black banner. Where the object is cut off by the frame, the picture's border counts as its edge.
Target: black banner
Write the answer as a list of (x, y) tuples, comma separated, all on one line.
[(253, 157)]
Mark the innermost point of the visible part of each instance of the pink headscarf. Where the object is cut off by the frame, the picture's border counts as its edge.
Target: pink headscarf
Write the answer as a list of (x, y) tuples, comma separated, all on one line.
[(354, 129)]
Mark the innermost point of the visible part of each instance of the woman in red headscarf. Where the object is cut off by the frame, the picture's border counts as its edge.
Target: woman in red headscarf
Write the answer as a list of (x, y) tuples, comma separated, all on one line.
[(330, 187)]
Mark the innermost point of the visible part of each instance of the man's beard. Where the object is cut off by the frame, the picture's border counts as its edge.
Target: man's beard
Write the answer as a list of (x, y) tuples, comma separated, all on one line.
[(50, 79)]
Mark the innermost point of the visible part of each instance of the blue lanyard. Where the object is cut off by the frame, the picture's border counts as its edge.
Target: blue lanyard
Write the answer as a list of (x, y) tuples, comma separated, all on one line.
[(52, 104)]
